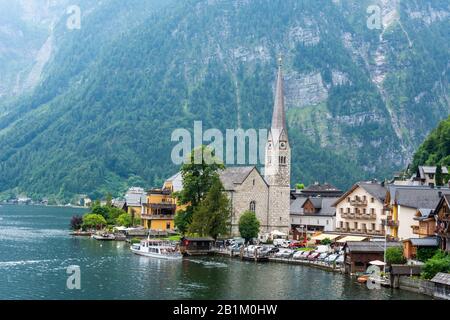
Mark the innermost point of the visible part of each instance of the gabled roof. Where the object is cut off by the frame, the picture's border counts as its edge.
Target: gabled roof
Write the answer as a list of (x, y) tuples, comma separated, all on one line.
[(422, 170), (234, 176), (424, 242), (445, 200), (323, 204), (419, 197), (317, 187), (375, 189), (370, 246)]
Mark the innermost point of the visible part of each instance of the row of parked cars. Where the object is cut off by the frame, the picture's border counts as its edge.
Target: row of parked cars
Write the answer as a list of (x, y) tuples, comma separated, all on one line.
[(312, 255)]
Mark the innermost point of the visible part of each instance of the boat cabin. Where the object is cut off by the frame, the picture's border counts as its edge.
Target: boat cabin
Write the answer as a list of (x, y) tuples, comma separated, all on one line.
[(196, 246)]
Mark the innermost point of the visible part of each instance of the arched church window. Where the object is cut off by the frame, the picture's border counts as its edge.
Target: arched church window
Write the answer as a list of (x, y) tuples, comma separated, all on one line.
[(253, 206)]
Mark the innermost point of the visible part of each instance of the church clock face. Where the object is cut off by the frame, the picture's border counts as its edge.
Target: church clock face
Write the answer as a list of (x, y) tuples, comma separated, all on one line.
[(283, 145), (269, 145)]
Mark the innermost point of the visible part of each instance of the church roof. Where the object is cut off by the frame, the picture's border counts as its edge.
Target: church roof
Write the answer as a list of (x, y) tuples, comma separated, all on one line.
[(230, 177), (279, 115)]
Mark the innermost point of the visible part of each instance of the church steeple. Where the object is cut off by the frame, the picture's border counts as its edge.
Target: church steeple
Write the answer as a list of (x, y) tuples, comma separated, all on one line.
[(279, 116)]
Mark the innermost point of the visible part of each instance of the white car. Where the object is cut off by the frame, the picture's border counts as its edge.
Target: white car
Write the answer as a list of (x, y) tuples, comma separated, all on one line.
[(340, 259), (281, 242), (297, 255), (284, 253), (331, 258)]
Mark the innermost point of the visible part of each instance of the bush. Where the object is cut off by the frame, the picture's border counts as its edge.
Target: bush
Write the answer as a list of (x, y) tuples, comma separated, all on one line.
[(135, 240), (124, 220), (76, 222), (93, 221), (248, 225), (395, 256), (424, 254), (326, 241), (440, 262)]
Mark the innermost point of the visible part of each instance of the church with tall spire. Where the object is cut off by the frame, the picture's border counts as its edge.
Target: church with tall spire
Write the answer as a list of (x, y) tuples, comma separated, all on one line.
[(267, 195)]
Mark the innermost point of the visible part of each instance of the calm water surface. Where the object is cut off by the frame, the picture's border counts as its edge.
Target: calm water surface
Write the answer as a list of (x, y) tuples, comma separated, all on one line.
[(35, 251)]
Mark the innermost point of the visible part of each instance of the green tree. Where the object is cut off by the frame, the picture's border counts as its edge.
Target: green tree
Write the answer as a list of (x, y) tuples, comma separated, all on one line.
[(212, 216), (91, 221), (124, 220), (299, 186), (108, 199), (248, 225), (394, 255), (198, 177), (326, 241), (425, 253), (440, 262), (439, 176)]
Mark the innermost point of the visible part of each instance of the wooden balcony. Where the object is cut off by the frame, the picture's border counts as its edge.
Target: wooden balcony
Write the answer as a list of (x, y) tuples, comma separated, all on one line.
[(158, 216), (359, 216), (390, 223), (358, 202)]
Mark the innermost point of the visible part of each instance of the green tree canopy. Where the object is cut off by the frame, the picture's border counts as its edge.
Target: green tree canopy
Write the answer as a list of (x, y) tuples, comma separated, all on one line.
[(198, 177), (440, 262), (248, 225), (91, 221), (124, 220), (395, 255), (212, 216)]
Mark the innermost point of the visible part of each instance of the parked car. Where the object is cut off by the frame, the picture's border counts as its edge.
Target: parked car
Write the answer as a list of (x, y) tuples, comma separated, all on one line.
[(323, 256), (235, 248), (340, 259), (284, 253), (313, 256), (297, 255), (281, 243), (305, 254), (296, 244), (331, 258)]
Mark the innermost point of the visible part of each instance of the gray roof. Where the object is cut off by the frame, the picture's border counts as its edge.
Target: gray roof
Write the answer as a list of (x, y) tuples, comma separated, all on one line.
[(424, 242), (430, 170), (317, 187), (279, 114), (177, 181), (442, 278), (233, 176), (368, 246), (324, 204), (297, 205), (420, 197), (424, 214), (375, 189)]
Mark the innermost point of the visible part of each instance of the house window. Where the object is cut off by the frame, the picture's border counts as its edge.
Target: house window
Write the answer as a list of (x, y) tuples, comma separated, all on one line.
[(373, 226), (364, 210), (372, 200), (348, 199), (328, 222), (372, 211), (253, 206), (168, 226), (253, 181), (342, 210), (341, 224), (356, 225), (348, 210), (364, 198)]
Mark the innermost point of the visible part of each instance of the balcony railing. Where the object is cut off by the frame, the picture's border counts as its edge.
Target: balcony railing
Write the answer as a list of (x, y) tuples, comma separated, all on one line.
[(390, 223), (359, 216), (158, 216), (360, 231), (358, 202)]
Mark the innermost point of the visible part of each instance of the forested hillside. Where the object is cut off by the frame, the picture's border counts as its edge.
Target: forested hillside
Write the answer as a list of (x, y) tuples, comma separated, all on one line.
[(359, 100), (436, 148)]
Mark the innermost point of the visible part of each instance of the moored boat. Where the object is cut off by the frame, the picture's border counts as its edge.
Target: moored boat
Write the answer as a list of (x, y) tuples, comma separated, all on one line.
[(103, 237), (157, 249)]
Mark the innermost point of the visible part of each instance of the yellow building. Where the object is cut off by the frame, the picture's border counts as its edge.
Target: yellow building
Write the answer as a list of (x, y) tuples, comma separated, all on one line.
[(159, 211), (135, 199)]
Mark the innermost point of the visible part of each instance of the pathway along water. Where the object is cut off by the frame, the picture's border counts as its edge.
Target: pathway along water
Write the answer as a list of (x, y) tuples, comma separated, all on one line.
[(36, 249)]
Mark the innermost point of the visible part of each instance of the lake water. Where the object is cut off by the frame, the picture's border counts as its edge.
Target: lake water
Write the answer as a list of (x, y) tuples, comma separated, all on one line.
[(35, 251)]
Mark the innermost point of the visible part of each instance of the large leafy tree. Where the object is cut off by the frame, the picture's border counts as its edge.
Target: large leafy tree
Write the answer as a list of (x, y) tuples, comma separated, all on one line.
[(212, 216), (91, 221), (249, 225), (125, 220), (198, 177)]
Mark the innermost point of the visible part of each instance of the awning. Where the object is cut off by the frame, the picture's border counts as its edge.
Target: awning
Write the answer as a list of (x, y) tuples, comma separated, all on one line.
[(377, 263), (351, 238), (324, 236), (278, 233)]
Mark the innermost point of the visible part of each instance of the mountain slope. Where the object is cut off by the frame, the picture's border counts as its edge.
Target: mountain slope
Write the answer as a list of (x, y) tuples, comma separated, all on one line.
[(359, 100)]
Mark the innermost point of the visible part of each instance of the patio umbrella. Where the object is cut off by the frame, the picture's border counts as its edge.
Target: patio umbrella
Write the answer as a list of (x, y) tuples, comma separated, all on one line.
[(377, 263)]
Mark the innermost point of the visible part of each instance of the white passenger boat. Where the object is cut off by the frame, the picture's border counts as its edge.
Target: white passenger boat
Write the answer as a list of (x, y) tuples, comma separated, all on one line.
[(157, 249)]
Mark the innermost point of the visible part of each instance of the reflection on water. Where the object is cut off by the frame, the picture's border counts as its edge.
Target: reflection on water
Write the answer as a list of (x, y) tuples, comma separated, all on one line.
[(35, 251)]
